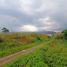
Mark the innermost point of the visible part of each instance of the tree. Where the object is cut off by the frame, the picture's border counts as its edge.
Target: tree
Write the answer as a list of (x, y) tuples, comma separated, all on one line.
[(5, 29), (64, 34)]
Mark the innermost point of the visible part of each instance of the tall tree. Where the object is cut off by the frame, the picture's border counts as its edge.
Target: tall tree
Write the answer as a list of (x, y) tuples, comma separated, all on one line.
[(5, 29)]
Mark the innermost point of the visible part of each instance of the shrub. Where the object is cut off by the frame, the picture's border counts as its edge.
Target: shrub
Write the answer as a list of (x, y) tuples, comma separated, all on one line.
[(1, 40), (64, 34), (58, 35)]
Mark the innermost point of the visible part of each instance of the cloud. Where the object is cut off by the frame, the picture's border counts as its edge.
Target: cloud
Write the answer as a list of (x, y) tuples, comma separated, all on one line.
[(48, 24), (30, 28), (40, 14)]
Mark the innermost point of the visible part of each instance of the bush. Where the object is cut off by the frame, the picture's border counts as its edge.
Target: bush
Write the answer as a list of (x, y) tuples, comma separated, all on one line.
[(64, 34), (58, 35), (1, 40)]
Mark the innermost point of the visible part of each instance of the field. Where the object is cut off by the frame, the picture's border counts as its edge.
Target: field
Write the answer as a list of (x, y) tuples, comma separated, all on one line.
[(13, 42), (52, 53)]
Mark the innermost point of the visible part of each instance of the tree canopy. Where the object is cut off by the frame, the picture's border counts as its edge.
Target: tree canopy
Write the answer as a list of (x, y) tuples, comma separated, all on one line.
[(4, 29)]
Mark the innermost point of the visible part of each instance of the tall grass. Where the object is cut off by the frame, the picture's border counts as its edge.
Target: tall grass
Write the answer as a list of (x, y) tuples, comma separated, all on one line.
[(52, 54), (14, 42)]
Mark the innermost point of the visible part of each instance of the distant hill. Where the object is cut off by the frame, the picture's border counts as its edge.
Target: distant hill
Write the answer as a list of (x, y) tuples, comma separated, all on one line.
[(47, 32)]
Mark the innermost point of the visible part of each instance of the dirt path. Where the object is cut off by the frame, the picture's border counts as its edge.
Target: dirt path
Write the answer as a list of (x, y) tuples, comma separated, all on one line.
[(9, 58)]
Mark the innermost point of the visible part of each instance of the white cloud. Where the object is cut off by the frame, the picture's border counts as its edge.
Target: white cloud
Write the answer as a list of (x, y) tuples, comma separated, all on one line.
[(32, 7), (28, 28), (48, 14), (44, 5), (48, 24), (46, 21), (26, 6)]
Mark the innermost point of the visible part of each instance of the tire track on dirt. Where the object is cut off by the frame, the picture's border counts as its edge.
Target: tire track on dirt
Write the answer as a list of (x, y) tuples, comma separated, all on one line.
[(7, 59)]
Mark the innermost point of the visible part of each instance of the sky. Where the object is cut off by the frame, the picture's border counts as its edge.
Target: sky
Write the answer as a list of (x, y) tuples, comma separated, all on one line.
[(33, 15)]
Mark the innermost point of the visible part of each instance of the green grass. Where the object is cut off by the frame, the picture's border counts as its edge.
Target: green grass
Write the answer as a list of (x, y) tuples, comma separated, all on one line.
[(52, 54), (13, 42), (56, 55), (7, 48), (30, 60)]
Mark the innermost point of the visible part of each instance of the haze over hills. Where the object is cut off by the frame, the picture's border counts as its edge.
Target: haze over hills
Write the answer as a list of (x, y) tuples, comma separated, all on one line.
[(47, 32), (41, 31)]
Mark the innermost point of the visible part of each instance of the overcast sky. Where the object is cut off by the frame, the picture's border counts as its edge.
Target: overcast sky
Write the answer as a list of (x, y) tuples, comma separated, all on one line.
[(33, 15)]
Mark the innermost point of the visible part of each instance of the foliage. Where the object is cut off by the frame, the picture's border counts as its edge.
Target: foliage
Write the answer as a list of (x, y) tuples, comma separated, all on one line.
[(5, 29), (1, 40), (64, 34), (52, 54), (58, 35), (13, 42), (30, 60)]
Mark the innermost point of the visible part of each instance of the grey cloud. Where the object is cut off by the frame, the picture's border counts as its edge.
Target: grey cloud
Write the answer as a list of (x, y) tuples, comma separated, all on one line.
[(37, 9)]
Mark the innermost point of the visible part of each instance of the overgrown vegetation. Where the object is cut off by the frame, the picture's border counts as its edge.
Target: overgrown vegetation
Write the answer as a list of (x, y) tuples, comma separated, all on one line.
[(52, 54), (64, 34), (14, 42)]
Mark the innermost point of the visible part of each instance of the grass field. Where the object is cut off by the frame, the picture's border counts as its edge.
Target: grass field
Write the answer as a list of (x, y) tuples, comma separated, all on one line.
[(14, 42), (52, 54)]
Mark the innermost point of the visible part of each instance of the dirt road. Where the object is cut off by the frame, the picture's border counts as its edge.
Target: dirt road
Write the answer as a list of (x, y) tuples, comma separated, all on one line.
[(9, 58)]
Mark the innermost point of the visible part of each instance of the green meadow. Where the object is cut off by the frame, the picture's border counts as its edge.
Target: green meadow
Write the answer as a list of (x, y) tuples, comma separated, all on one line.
[(52, 53), (13, 42)]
